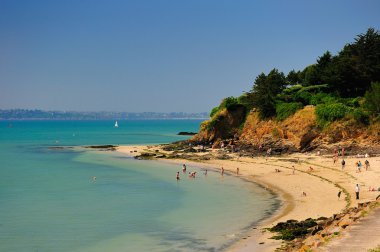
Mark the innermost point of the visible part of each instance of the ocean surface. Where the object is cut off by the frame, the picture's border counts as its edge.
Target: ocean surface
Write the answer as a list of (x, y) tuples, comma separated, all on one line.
[(50, 202)]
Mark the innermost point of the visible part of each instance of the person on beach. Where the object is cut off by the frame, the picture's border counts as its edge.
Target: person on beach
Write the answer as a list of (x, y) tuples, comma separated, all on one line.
[(358, 166), (343, 164), (269, 151), (311, 169), (339, 193), (294, 169), (177, 177), (184, 168), (366, 164), (357, 190), (237, 171), (222, 171)]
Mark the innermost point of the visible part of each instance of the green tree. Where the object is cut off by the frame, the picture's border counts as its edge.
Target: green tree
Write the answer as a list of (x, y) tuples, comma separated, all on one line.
[(311, 76), (357, 65), (293, 77), (372, 98), (264, 92)]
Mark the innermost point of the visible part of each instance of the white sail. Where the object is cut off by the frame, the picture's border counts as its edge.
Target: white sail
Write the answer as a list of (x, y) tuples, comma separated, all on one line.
[(116, 125)]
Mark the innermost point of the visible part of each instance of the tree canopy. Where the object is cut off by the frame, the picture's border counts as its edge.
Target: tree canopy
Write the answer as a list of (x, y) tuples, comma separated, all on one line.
[(334, 83)]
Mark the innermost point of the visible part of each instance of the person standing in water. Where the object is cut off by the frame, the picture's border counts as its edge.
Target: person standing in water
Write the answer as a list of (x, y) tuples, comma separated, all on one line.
[(177, 177), (222, 172), (184, 168)]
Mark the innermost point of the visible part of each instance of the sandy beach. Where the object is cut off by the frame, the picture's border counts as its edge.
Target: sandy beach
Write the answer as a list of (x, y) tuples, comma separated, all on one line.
[(305, 192)]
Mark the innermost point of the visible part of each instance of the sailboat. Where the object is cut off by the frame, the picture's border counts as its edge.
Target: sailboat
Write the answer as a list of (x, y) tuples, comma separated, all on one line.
[(116, 125)]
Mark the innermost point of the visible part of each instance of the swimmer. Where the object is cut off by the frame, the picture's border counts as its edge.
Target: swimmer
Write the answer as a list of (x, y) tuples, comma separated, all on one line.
[(93, 178)]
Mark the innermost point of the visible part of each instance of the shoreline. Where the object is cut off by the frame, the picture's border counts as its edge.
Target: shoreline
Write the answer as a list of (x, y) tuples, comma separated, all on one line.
[(320, 186)]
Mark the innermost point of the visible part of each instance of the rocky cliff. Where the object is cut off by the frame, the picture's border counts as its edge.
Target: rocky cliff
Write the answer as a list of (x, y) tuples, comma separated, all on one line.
[(299, 132)]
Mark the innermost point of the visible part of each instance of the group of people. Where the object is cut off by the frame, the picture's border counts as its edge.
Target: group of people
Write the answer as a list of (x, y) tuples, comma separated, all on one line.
[(358, 165), (191, 174), (194, 173)]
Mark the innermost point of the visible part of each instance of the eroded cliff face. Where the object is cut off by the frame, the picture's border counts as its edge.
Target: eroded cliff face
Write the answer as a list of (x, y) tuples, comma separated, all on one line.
[(295, 133), (299, 132), (224, 125)]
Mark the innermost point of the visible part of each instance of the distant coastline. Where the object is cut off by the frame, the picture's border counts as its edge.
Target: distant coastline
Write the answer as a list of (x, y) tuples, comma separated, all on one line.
[(26, 114)]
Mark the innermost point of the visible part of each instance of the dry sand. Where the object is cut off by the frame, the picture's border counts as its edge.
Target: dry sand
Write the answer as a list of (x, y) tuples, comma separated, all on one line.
[(320, 186)]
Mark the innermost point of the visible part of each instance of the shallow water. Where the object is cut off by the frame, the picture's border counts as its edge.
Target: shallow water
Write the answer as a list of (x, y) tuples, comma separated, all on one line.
[(49, 201)]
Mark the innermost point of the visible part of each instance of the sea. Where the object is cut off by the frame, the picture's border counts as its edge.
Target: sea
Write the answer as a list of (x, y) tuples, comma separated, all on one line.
[(50, 201)]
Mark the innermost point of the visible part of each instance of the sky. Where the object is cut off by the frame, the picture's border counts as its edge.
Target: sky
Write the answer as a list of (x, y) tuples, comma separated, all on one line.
[(161, 55)]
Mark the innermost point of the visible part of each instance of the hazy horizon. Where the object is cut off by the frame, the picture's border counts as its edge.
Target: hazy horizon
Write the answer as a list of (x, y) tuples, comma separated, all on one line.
[(161, 56), (104, 111)]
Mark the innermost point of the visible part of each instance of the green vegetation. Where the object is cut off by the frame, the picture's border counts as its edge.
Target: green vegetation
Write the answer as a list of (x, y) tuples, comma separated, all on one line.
[(284, 110), (372, 98), (330, 112), (292, 229), (345, 86)]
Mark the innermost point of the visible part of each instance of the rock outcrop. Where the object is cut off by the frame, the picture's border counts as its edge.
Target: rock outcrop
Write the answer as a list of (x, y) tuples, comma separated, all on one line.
[(299, 132)]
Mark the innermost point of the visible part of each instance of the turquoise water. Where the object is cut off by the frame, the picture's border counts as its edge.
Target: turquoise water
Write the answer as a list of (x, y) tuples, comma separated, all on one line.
[(49, 202)]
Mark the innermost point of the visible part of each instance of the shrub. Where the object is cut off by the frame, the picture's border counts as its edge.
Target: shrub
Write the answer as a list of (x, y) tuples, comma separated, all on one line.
[(327, 113), (213, 111), (360, 116), (321, 98), (353, 102), (229, 103), (302, 96), (284, 110)]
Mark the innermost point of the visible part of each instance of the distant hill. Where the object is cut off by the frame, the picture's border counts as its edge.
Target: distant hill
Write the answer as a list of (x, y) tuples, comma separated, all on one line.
[(25, 114)]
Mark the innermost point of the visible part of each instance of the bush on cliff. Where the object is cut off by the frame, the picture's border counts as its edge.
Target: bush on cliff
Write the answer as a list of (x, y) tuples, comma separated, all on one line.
[(284, 110), (327, 113)]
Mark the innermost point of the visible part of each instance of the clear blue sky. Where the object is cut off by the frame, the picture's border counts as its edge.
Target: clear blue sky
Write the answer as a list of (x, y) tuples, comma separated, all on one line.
[(161, 56)]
